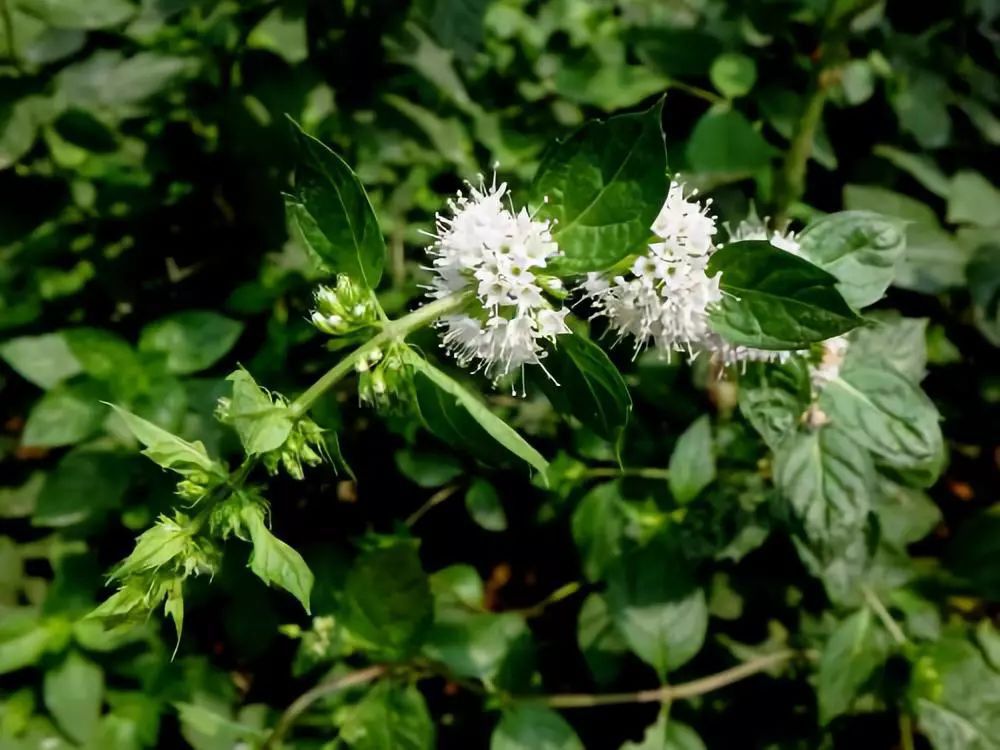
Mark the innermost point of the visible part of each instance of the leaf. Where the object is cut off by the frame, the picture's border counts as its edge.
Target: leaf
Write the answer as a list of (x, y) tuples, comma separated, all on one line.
[(905, 515), (667, 734), (426, 469), (18, 127), (973, 199), (390, 717), (601, 643), (332, 195), (920, 167), (20, 501), (725, 143), (773, 397), (167, 450), (483, 504), (70, 14), (983, 274), (855, 649), (192, 340), (462, 420), (74, 692), (692, 464), (275, 562), (657, 606), (957, 695), (860, 248), (387, 601), (85, 484), (115, 86), (774, 300), (582, 382), (604, 185), (262, 424), (45, 360), (65, 415), (900, 343), (482, 646), (598, 527), (828, 481), (530, 727), (282, 33), (733, 74), (24, 640), (881, 410)]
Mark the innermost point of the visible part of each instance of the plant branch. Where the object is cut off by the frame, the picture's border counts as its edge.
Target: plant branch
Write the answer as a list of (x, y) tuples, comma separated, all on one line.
[(395, 330), (906, 741), (645, 472), (791, 182), (561, 593), (668, 693), (301, 704), (436, 499)]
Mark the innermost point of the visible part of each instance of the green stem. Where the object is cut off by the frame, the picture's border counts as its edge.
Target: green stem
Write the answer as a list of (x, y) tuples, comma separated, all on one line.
[(561, 593), (883, 614), (906, 740), (8, 28), (395, 330), (301, 704), (667, 693), (791, 184), (645, 472), (436, 499), (687, 88)]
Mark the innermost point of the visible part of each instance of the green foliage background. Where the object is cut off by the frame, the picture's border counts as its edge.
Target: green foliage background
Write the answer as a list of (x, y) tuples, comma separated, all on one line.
[(144, 253)]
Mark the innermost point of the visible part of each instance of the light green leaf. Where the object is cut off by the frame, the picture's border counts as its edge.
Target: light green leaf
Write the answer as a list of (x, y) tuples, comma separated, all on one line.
[(192, 340), (773, 397), (283, 33), (733, 74), (530, 727), (167, 450), (604, 186), (65, 415), (275, 562), (774, 300), (855, 649), (582, 382), (116, 86), (74, 692), (692, 464), (24, 639), (481, 645), (387, 601), (920, 167), (879, 409), (657, 606), (828, 481), (726, 144), (332, 195), (20, 501), (667, 734), (860, 248), (45, 360), (601, 643), (18, 126), (973, 200), (71, 14), (390, 717), (262, 424), (483, 504), (901, 343), (462, 420)]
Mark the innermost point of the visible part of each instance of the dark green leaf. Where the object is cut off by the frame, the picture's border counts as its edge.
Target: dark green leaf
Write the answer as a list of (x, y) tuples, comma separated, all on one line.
[(275, 562), (582, 382), (657, 606), (860, 248), (462, 420), (604, 185), (333, 197), (387, 601), (983, 275), (427, 469), (84, 484), (774, 300), (774, 398), (667, 734), (601, 643), (192, 340), (855, 649), (725, 143), (598, 527), (534, 728), (389, 717), (692, 464)]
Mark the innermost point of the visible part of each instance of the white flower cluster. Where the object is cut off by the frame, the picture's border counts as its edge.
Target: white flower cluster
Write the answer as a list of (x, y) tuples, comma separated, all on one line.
[(664, 297), (498, 254)]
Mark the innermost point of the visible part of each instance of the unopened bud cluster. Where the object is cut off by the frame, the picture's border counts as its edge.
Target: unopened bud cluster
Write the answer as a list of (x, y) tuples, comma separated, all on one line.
[(382, 377), (345, 308), (304, 447), (196, 485)]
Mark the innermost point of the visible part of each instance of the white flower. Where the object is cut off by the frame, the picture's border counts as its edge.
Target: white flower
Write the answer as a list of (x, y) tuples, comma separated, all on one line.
[(830, 362), (752, 228), (499, 255), (664, 297)]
